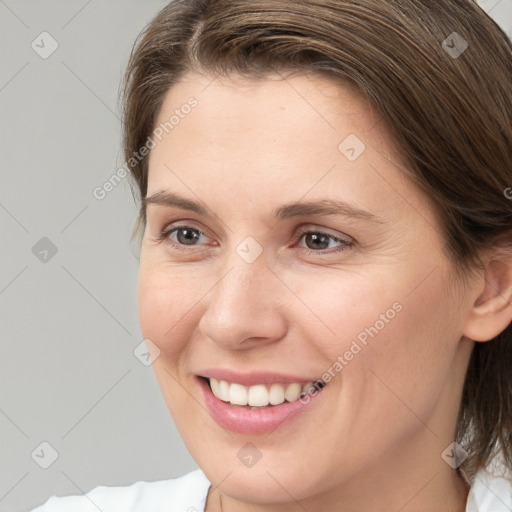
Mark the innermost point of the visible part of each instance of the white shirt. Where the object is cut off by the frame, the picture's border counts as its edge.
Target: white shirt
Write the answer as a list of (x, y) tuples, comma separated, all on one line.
[(491, 491)]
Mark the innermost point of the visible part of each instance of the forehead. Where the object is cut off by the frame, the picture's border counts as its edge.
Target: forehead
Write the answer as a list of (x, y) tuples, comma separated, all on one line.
[(270, 103), (288, 118)]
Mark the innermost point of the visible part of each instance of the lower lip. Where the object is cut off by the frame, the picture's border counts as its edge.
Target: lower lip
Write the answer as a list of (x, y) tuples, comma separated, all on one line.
[(252, 421)]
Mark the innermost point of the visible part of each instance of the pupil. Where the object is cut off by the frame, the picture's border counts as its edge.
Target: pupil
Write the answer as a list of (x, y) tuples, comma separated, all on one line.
[(315, 238), (189, 236)]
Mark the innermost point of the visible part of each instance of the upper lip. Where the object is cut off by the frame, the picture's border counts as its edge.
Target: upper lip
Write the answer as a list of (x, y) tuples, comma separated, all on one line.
[(253, 377)]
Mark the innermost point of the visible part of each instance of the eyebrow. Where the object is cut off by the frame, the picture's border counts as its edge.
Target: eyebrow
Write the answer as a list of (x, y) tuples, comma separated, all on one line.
[(297, 209)]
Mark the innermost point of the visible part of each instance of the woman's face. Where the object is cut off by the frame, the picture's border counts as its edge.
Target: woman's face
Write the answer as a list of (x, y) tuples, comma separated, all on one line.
[(309, 254)]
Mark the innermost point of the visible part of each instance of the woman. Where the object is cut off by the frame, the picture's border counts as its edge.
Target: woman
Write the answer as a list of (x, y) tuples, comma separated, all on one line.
[(325, 269)]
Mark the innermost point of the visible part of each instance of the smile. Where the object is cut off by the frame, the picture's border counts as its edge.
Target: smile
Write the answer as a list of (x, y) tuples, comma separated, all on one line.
[(261, 395), (253, 408)]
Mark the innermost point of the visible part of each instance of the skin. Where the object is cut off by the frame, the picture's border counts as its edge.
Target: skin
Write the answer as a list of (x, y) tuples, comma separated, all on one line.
[(374, 437)]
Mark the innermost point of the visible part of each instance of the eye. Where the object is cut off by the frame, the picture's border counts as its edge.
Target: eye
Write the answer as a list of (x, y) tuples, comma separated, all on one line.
[(182, 236), (318, 242)]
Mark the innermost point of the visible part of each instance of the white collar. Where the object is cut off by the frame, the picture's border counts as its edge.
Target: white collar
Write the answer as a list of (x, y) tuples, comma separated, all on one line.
[(491, 489)]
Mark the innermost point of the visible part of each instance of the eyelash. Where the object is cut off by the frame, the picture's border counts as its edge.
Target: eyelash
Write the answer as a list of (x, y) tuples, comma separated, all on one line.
[(345, 244)]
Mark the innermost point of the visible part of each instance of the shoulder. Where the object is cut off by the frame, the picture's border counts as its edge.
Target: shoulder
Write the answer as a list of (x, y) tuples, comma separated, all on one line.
[(184, 494), (491, 489)]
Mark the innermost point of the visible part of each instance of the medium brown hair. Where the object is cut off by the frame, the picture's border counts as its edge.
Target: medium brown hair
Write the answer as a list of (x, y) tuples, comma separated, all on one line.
[(448, 106)]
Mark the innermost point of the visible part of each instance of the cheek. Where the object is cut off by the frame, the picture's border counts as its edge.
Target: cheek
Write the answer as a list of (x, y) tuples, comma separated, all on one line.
[(166, 316), (408, 363), (166, 308), (387, 340), (338, 309), (424, 337)]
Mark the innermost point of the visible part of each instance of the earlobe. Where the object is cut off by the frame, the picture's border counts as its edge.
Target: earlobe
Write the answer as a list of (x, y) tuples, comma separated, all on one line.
[(491, 312)]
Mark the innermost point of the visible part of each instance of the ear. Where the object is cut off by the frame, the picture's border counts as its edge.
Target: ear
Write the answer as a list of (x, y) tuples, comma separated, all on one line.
[(491, 311)]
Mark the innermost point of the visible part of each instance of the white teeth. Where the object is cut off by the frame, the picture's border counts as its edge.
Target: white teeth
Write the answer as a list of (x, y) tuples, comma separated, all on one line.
[(258, 395), (237, 394), (224, 390), (276, 394), (292, 392), (215, 385)]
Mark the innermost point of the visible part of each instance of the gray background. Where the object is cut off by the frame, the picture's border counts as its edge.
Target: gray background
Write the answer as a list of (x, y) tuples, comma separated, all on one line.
[(69, 323)]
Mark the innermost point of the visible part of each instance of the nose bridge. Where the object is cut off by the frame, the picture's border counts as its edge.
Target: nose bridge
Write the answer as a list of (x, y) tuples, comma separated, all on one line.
[(240, 305), (243, 284)]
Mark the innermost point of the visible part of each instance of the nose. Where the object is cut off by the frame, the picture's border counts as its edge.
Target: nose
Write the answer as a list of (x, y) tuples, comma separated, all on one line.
[(245, 308)]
